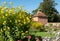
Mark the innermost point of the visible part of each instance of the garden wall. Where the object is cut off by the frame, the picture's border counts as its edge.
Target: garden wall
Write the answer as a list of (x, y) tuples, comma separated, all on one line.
[(53, 24)]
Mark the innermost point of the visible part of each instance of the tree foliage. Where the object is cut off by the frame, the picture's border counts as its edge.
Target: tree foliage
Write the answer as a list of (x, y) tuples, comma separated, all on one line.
[(48, 7)]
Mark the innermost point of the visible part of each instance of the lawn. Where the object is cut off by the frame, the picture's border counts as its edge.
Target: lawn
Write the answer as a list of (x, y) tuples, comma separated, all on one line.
[(43, 34)]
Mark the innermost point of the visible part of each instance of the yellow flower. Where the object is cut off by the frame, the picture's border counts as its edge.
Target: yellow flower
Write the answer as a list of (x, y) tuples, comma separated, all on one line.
[(26, 32), (18, 20), (19, 7), (8, 28), (24, 36), (4, 22), (10, 11), (4, 29), (29, 21), (27, 18), (13, 13), (10, 21), (2, 16), (23, 33), (24, 22), (15, 21), (2, 11), (6, 14), (1, 30), (6, 10)]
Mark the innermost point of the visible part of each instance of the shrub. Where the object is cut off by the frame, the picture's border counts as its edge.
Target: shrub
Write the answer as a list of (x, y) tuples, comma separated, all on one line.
[(14, 23), (37, 26)]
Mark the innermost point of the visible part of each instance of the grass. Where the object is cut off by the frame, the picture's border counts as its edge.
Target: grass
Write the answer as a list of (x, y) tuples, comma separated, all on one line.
[(43, 34)]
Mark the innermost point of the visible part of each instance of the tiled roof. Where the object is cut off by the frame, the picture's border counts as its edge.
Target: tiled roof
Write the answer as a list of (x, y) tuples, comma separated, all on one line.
[(40, 14)]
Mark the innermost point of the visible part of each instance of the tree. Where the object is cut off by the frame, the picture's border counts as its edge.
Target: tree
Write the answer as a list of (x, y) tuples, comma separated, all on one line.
[(48, 7)]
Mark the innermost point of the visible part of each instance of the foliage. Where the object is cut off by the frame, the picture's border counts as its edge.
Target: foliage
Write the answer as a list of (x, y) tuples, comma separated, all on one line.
[(48, 7), (37, 26), (14, 23)]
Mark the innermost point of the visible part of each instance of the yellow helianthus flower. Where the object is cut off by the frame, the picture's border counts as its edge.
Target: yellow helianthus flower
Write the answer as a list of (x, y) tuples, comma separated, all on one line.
[(10, 21), (13, 13), (24, 22), (23, 33), (26, 32), (4, 22), (2, 11), (8, 28), (18, 20), (2, 16), (6, 14), (1, 30)]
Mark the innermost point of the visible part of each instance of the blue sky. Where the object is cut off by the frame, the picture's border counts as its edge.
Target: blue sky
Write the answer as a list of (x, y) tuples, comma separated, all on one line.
[(29, 5)]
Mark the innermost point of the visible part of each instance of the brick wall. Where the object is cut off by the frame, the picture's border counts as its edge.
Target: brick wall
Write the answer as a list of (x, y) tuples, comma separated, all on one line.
[(41, 20)]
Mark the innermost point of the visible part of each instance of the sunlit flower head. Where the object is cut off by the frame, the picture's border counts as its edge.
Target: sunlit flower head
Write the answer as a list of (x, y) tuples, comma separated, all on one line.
[(19, 7), (18, 20), (27, 18), (24, 22), (4, 29), (10, 21), (13, 13), (4, 22), (6, 14), (23, 33), (24, 36), (15, 21), (26, 32), (2, 16), (5, 8), (10, 11), (8, 28), (1, 30), (2, 11)]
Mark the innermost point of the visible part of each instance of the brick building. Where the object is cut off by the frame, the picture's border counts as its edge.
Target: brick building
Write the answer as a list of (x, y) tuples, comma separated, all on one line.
[(40, 17)]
